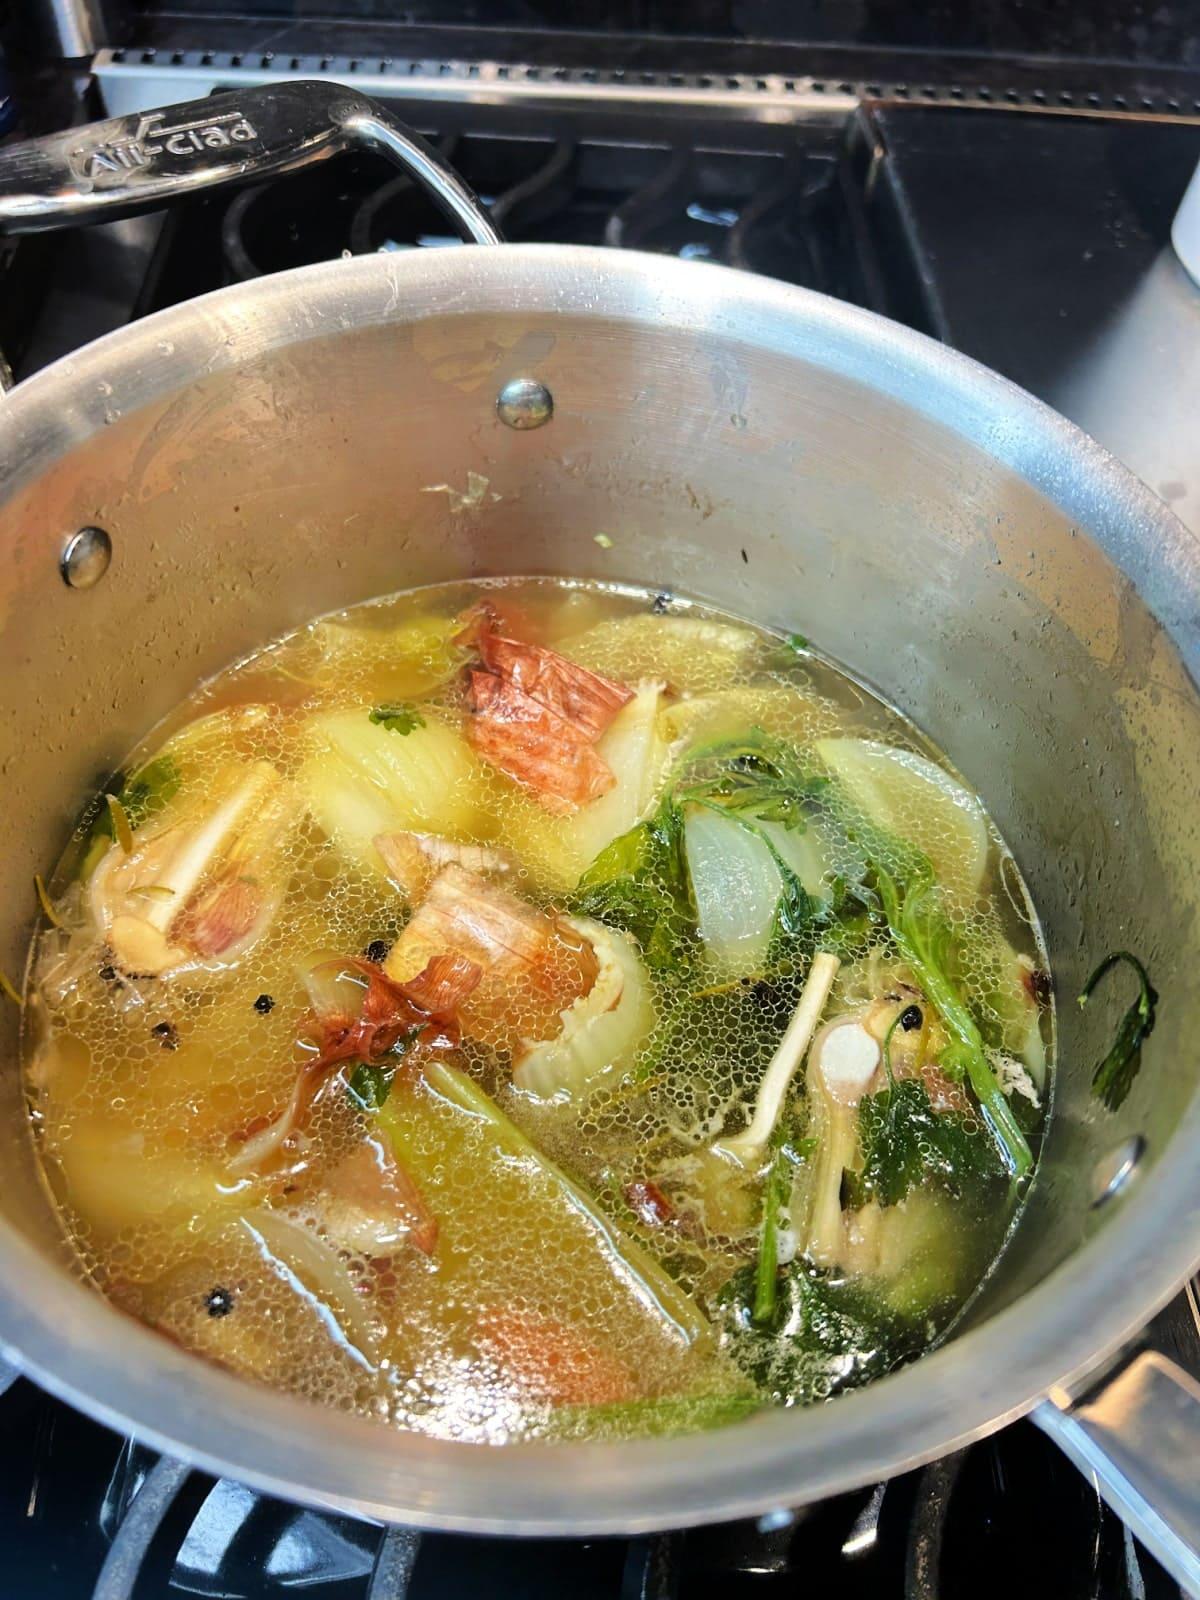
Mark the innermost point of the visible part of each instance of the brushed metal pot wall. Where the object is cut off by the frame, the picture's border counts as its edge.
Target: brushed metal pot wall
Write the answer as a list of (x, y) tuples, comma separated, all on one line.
[(302, 442)]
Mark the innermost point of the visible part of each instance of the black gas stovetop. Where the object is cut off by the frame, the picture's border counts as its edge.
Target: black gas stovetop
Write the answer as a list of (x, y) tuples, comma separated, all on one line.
[(1011, 237)]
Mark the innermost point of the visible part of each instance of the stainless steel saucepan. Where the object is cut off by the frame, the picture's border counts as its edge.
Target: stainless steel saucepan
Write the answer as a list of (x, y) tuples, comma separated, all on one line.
[(283, 447)]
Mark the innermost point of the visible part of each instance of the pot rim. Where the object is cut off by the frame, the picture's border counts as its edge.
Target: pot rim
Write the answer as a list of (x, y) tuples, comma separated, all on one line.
[(82, 1349)]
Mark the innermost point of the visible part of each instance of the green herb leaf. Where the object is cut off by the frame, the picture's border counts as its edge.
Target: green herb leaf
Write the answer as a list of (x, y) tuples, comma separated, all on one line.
[(397, 718), (122, 832), (369, 1085), (148, 790), (827, 1335), (906, 1142), (923, 938), (755, 773), (784, 655), (1113, 1078), (639, 883), (371, 1081)]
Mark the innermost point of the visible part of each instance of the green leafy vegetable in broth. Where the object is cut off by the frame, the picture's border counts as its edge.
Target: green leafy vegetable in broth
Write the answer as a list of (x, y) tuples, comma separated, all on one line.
[(924, 940), (369, 1084), (905, 1143), (826, 1335), (545, 1013), (1114, 1076), (757, 774), (639, 883), (776, 1190)]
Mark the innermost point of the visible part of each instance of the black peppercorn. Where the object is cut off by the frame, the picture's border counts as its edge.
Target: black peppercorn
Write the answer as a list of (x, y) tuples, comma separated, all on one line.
[(263, 1004), (166, 1035), (911, 1018), (219, 1302), (377, 951), (661, 603), (107, 974)]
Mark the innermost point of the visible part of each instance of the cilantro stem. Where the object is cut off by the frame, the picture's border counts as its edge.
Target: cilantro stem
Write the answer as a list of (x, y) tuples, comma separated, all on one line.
[(887, 1048), (766, 1272)]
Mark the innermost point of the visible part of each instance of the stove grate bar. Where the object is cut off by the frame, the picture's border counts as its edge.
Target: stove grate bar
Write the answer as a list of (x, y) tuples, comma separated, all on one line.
[(126, 1558), (652, 1568), (398, 1551)]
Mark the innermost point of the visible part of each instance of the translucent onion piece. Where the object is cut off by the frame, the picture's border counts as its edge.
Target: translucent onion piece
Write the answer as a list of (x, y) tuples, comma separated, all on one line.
[(635, 752), (320, 1274), (918, 801), (333, 986), (601, 1032), (362, 780), (736, 887), (804, 851)]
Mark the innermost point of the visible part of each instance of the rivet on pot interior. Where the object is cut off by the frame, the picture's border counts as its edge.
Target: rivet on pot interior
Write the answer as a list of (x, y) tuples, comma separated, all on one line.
[(1113, 1171), (524, 403), (85, 558)]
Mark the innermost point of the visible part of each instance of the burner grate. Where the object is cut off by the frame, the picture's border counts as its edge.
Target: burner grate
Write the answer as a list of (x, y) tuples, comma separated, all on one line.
[(777, 211), (85, 1515), (948, 1531)]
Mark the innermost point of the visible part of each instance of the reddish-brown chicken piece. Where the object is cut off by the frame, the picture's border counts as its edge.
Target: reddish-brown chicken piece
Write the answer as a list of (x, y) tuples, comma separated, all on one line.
[(532, 966), (536, 748), (582, 698), (537, 716)]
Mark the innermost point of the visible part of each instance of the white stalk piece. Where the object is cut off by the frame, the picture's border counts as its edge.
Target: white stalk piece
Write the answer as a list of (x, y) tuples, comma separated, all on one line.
[(842, 1062), (747, 1148), (142, 901)]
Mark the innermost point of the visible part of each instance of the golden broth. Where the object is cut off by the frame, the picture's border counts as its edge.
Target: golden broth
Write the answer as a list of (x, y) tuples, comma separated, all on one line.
[(596, 1268)]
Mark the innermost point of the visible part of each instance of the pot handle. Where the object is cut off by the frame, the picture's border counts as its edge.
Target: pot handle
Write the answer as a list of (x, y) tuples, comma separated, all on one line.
[(1137, 1433), (144, 161)]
